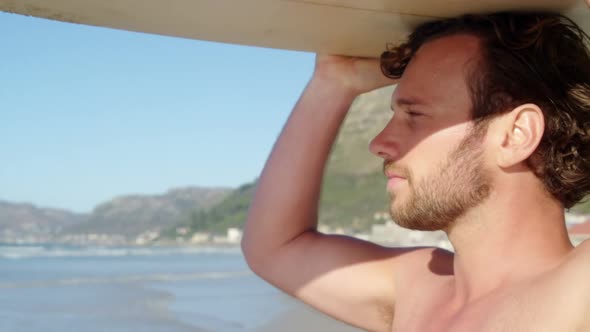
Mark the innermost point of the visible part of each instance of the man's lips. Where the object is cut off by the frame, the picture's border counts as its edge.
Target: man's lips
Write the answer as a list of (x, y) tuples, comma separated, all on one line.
[(390, 169), (391, 175), (393, 180)]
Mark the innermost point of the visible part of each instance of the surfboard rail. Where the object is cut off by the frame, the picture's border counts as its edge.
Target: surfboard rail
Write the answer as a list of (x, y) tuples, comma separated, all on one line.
[(347, 27)]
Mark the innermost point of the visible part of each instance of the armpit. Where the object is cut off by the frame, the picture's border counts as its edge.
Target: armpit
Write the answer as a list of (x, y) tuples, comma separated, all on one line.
[(386, 312)]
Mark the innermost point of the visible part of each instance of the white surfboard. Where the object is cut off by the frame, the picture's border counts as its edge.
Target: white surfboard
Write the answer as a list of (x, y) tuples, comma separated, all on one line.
[(348, 27)]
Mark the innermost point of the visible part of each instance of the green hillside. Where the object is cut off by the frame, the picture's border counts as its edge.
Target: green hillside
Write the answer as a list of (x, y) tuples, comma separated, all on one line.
[(583, 207), (134, 214), (231, 212), (354, 187), (347, 201), (350, 201)]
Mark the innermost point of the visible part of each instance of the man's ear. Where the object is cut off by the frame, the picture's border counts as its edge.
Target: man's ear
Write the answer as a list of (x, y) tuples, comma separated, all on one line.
[(520, 132)]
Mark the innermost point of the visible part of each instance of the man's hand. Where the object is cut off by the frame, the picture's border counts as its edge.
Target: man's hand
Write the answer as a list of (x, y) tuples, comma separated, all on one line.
[(360, 75)]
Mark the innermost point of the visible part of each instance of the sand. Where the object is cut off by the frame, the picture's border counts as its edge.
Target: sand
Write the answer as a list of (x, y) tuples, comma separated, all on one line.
[(303, 318)]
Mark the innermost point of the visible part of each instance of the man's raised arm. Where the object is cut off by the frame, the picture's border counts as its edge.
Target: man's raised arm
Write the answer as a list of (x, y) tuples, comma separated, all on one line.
[(348, 279)]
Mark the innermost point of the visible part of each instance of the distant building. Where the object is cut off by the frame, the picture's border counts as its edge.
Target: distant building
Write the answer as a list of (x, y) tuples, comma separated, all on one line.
[(147, 237), (381, 216), (199, 238), (325, 229), (572, 219), (362, 236), (92, 239), (234, 235), (386, 233), (182, 230), (583, 228), (219, 239), (392, 234)]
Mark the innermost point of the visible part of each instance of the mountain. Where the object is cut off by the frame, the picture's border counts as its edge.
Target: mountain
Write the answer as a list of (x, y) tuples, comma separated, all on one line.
[(367, 116), (111, 222), (23, 220), (353, 193), (354, 186), (231, 212), (135, 214)]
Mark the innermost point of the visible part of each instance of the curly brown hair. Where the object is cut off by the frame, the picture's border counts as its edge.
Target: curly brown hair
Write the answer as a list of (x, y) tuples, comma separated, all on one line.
[(539, 58)]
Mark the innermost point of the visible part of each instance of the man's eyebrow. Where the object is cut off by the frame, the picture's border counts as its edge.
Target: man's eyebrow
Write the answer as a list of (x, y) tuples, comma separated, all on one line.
[(406, 101)]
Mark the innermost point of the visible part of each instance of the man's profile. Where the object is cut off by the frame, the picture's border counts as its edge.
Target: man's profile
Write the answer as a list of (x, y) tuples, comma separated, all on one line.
[(489, 141)]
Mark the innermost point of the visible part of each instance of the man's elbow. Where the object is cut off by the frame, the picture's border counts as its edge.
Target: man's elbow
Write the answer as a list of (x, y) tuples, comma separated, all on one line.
[(252, 250), (261, 250)]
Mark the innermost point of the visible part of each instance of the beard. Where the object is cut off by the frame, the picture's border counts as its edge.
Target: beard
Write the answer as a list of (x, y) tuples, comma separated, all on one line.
[(458, 184)]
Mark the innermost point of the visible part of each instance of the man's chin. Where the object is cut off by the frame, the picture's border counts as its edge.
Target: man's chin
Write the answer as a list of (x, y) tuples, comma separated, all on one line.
[(396, 202), (415, 223)]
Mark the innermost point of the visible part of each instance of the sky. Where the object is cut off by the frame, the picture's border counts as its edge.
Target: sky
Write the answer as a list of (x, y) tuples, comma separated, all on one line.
[(91, 113)]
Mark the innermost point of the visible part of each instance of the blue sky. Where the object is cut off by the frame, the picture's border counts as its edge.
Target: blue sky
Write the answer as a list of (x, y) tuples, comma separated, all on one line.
[(92, 113)]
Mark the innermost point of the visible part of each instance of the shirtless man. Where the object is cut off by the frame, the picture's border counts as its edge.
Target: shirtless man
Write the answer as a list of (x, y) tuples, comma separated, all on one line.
[(489, 141)]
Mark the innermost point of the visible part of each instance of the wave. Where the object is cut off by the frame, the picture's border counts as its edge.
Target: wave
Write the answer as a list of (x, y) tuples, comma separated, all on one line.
[(53, 251), (126, 279)]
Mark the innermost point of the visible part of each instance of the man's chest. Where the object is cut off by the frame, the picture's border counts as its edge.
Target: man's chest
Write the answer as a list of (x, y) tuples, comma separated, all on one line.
[(535, 308)]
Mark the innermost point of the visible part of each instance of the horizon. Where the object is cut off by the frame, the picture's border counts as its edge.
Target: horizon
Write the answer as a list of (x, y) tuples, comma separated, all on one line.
[(97, 113)]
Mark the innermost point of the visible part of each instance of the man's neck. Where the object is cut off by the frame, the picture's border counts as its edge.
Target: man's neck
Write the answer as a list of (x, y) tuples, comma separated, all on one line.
[(508, 238)]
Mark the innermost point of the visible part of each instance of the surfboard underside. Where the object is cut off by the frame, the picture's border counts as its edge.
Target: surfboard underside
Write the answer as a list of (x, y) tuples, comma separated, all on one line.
[(347, 27)]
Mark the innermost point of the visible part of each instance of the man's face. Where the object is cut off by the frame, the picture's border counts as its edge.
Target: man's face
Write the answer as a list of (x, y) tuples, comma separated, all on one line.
[(456, 184), (435, 163)]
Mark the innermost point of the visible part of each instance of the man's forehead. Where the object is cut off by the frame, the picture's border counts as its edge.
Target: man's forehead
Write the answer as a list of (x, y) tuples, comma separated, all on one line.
[(438, 70)]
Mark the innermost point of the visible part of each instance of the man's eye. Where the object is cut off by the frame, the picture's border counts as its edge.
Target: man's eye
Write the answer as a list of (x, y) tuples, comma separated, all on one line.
[(414, 114)]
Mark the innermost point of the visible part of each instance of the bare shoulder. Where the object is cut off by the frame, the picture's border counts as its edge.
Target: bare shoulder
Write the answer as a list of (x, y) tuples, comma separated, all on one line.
[(352, 280), (584, 247), (574, 272), (574, 276), (579, 261)]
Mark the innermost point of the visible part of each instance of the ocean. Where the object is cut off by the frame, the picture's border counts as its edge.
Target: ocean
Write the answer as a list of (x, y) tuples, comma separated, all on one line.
[(89, 289)]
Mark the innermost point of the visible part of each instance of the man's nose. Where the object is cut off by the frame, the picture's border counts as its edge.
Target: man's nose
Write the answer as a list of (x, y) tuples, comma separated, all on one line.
[(385, 146)]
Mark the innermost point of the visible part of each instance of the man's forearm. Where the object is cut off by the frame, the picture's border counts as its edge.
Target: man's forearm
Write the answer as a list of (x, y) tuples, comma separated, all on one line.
[(286, 201)]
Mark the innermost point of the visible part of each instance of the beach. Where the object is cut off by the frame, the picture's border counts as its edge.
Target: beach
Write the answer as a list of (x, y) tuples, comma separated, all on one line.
[(303, 318)]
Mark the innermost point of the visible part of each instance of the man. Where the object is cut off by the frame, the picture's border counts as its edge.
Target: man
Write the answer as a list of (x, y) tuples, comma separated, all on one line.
[(489, 141)]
